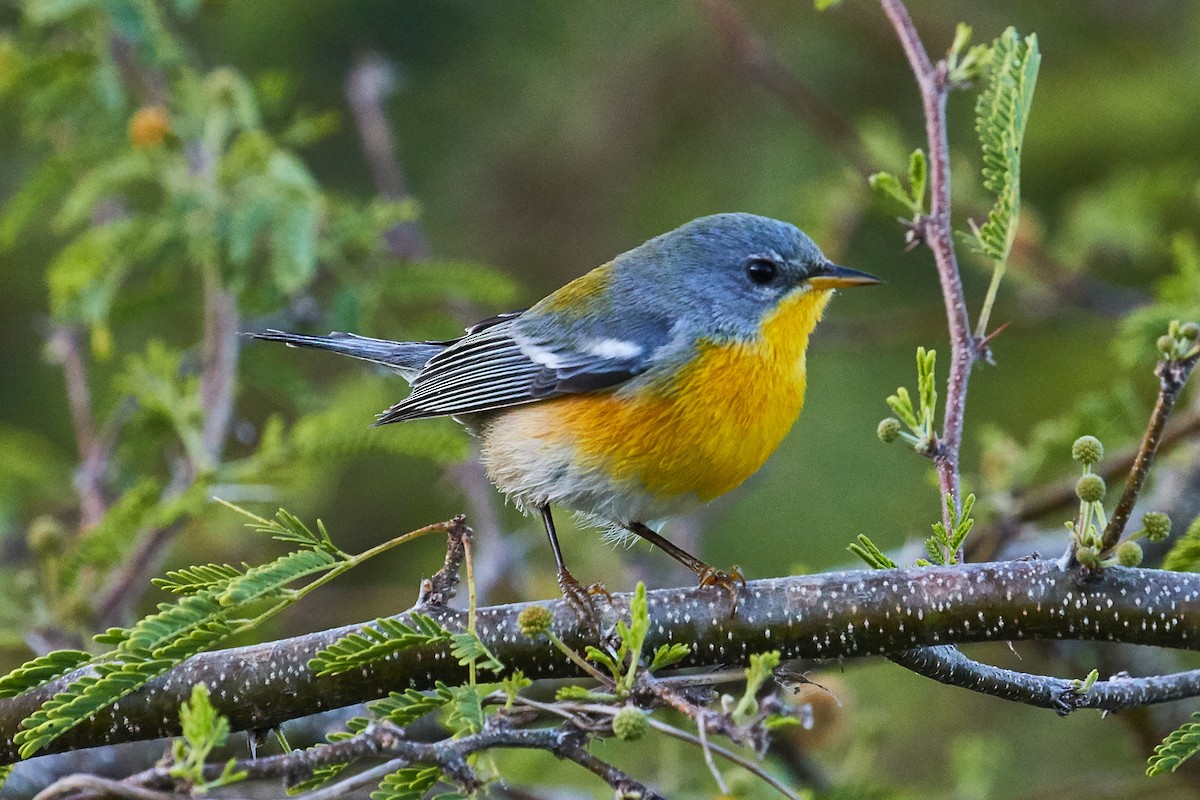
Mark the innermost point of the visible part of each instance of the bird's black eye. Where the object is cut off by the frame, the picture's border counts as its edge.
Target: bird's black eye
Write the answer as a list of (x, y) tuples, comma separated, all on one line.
[(761, 270)]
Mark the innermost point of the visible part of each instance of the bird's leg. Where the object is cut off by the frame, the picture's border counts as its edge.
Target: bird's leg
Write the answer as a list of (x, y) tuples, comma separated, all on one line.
[(576, 595), (709, 576)]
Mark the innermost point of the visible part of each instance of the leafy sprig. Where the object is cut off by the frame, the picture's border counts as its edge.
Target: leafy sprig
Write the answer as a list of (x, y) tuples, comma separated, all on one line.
[(943, 545), (204, 730), (919, 419)]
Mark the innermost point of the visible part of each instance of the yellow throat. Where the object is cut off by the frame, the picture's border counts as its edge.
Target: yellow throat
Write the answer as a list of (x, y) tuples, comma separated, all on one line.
[(719, 421)]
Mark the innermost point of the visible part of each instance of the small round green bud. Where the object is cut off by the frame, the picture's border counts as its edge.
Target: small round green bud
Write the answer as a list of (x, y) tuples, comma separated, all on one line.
[(1157, 525), (1090, 488), (1190, 331), (1088, 556), (1087, 450), (888, 430), (534, 621), (629, 724), (1129, 554), (46, 536), (1165, 344)]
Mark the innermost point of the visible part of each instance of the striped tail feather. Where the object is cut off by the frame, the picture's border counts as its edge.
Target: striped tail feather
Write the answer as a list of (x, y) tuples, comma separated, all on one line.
[(406, 358)]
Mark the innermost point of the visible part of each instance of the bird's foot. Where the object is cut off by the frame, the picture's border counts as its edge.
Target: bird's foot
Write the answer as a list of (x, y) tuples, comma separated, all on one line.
[(732, 582), (582, 600)]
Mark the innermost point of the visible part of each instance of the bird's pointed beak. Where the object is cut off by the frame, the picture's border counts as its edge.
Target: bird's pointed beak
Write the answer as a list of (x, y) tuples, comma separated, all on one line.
[(831, 276)]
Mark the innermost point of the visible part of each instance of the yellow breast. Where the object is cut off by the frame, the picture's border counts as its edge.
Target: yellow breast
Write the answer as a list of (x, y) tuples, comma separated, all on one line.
[(710, 428)]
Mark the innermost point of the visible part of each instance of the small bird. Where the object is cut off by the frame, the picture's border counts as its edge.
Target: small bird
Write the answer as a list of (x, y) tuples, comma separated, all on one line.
[(641, 390)]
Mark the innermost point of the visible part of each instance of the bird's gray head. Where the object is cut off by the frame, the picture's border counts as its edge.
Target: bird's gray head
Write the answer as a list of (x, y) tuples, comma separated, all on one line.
[(728, 270)]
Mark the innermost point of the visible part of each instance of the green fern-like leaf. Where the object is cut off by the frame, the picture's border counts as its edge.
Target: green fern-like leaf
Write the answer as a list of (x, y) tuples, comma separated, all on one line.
[(466, 710), (1180, 745), (383, 638), (1185, 553), (669, 654), (190, 580), (869, 552), (468, 648), (410, 783), (41, 670), (403, 708), (85, 697), (1001, 114), (269, 579)]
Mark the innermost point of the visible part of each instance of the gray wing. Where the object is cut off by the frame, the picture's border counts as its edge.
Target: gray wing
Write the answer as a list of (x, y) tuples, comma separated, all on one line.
[(499, 364)]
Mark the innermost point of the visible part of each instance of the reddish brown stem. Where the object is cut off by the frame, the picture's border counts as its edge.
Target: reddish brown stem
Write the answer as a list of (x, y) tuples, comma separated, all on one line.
[(936, 232)]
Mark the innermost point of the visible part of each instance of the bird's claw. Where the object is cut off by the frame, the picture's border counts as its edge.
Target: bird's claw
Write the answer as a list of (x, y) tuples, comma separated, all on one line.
[(581, 599), (732, 582)]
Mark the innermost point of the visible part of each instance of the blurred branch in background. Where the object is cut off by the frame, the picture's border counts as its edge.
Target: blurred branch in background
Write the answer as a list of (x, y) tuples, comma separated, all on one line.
[(368, 86)]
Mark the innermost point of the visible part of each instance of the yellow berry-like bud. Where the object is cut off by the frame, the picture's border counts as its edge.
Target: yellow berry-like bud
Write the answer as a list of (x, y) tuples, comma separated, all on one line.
[(1157, 525), (1088, 556), (1165, 344), (888, 430), (1090, 488), (534, 621), (1129, 554), (1189, 331), (629, 724), (46, 536), (148, 126), (1087, 450)]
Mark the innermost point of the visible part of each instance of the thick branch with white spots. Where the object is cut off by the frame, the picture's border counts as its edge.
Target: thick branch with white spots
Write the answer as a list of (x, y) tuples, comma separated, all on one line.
[(837, 615)]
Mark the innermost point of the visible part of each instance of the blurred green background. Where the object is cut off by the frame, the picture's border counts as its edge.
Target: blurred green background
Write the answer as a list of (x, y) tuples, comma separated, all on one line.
[(542, 138)]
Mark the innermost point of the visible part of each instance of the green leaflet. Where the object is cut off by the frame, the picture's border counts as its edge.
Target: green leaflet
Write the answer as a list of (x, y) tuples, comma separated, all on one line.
[(1180, 745), (384, 637), (410, 783), (269, 579), (41, 670), (1184, 555), (190, 580)]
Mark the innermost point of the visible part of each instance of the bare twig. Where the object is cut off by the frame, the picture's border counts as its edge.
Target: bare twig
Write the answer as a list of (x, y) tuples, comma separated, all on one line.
[(1172, 376), (935, 231), (438, 590)]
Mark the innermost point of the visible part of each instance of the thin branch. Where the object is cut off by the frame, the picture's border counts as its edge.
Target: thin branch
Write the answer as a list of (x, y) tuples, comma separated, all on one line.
[(846, 614), (367, 87), (725, 753), (64, 347), (1032, 505), (219, 359), (104, 787), (622, 782), (1172, 376), (751, 53), (935, 230), (948, 665)]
